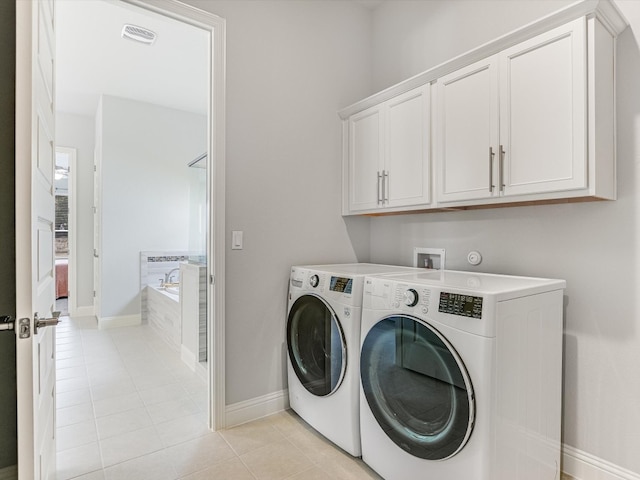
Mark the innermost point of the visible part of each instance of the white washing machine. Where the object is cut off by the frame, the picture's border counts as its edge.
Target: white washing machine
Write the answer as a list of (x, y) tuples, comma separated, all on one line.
[(323, 341), (461, 376)]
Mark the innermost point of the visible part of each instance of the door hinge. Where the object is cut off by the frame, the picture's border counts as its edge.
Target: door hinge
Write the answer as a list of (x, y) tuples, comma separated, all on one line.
[(94, 294), (212, 279)]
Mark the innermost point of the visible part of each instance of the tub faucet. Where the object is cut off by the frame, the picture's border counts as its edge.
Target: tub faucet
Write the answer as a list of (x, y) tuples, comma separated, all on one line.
[(168, 278)]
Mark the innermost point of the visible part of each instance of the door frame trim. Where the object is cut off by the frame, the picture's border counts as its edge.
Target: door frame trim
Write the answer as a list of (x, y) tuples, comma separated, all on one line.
[(72, 297), (216, 188), (23, 106)]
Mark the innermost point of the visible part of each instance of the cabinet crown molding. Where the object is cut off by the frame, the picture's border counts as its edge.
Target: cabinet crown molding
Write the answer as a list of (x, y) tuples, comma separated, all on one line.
[(604, 10)]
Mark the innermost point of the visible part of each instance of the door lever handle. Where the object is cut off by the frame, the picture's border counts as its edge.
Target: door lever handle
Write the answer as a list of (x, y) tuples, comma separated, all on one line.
[(7, 322), (45, 322)]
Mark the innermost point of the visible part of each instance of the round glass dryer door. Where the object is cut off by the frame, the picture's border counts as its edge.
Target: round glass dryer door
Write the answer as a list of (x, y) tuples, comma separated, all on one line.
[(417, 387), (316, 345)]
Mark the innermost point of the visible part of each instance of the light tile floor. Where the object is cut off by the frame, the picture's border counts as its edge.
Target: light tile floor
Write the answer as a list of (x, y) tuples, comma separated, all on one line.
[(128, 408)]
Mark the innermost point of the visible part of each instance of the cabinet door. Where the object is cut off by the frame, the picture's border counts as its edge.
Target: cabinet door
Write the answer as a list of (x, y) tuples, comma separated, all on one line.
[(467, 132), (407, 173), (366, 157), (543, 112)]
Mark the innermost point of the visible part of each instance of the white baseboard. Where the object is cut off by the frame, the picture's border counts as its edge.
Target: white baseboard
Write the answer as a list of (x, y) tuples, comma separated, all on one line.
[(584, 466), (188, 357), (82, 311), (9, 473), (255, 408), (119, 321), (202, 372)]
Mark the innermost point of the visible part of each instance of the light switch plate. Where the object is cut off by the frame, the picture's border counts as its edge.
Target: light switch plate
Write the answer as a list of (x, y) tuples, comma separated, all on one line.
[(236, 240)]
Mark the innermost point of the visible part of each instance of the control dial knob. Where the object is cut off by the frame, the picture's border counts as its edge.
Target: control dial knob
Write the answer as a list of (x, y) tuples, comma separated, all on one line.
[(410, 298), (314, 280)]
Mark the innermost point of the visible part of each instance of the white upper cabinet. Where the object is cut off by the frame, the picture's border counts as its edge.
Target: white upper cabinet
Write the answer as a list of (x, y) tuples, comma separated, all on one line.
[(543, 104), (407, 173), (388, 154), (515, 123), (366, 159), (527, 118), (467, 132)]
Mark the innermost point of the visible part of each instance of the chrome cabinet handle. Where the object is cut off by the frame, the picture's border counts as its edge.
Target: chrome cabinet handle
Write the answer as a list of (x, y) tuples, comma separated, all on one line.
[(502, 169), (491, 155), (379, 187), (385, 186)]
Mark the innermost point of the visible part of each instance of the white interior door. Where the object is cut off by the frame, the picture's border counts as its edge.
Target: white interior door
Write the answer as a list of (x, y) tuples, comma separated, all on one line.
[(35, 237)]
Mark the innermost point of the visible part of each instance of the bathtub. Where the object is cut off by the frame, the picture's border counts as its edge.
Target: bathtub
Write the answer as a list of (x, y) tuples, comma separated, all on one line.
[(163, 314)]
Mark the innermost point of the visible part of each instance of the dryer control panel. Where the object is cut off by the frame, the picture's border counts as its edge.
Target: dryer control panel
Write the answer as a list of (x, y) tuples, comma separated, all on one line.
[(458, 304)]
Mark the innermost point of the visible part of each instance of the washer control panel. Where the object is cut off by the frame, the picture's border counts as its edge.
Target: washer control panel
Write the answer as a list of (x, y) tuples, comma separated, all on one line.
[(335, 286), (341, 284)]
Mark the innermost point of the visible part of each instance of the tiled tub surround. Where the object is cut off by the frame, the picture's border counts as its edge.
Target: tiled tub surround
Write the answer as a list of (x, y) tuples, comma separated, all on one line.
[(163, 315), (154, 265), (193, 310), (179, 319)]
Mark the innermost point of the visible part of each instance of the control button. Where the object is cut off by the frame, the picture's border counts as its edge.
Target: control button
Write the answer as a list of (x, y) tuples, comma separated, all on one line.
[(314, 280), (410, 298), (425, 310), (347, 312), (396, 304)]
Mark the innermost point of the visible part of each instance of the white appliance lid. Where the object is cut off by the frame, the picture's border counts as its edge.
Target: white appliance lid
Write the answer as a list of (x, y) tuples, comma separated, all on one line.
[(484, 283), (358, 269)]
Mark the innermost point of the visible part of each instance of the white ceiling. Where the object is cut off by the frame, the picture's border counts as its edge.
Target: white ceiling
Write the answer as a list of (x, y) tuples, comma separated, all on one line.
[(93, 58)]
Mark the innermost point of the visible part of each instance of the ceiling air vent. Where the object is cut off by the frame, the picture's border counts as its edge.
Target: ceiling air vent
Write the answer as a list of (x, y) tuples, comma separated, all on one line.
[(139, 34)]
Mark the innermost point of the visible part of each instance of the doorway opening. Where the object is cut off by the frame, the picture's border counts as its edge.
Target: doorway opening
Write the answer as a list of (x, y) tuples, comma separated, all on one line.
[(207, 211), (65, 214)]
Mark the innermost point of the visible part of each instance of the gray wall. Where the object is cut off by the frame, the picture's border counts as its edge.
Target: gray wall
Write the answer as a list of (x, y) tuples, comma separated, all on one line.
[(76, 131), (8, 411), (290, 67), (145, 191), (594, 246)]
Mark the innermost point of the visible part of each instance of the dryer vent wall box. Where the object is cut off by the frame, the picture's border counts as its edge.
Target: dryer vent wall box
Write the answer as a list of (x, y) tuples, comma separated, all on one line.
[(431, 258)]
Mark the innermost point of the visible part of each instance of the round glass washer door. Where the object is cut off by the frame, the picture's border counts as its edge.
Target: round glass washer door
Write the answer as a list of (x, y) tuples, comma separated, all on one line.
[(417, 387), (316, 345)]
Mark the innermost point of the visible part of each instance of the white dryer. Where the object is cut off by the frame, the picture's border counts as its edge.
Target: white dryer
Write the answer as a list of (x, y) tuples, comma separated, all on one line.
[(461, 376), (323, 342)]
